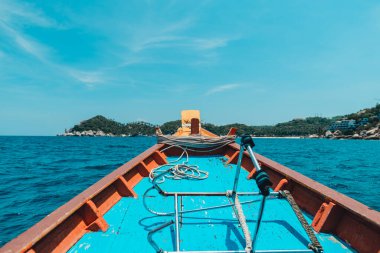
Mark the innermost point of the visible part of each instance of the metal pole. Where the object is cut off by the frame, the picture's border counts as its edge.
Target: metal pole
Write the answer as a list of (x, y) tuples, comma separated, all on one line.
[(150, 235), (261, 211), (238, 167), (227, 193), (243, 251), (253, 158), (181, 209), (216, 207), (176, 222)]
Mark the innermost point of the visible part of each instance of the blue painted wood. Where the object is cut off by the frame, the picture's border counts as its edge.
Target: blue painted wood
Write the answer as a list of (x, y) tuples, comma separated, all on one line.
[(207, 230)]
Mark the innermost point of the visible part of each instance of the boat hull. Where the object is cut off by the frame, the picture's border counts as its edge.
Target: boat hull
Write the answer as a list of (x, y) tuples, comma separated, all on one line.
[(332, 212)]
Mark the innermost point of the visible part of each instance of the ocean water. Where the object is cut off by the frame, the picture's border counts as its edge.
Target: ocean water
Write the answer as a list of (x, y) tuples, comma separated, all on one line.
[(39, 174)]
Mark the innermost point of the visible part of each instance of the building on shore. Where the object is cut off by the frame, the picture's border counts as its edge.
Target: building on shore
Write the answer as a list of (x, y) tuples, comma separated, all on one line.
[(347, 124), (343, 125)]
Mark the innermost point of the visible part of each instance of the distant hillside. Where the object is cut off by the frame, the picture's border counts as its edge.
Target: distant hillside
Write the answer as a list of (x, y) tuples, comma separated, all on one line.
[(292, 128), (296, 127), (372, 114), (99, 125), (364, 124)]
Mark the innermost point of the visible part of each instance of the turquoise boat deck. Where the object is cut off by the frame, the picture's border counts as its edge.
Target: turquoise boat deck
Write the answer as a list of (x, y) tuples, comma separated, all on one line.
[(208, 230)]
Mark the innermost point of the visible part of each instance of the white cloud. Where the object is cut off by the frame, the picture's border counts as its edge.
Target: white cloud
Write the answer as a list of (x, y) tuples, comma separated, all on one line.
[(125, 44), (154, 34), (155, 42), (165, 34), (211, 43), (14, 16), (170, 41), (26, 44), (90, 78), (12, 12), (223, 88)]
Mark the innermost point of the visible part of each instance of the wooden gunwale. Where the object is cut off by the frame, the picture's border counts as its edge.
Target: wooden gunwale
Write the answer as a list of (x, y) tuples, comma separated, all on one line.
[(25, 241)]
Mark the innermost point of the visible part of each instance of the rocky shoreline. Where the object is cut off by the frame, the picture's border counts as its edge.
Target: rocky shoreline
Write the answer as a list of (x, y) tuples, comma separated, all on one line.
[(93, 133), (371, 134), (366, 132)]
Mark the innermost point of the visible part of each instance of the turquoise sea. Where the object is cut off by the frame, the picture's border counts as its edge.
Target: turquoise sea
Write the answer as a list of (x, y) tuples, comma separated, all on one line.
[(39, 174)]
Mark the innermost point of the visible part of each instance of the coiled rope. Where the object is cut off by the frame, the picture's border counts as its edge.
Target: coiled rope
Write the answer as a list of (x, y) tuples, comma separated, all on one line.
[(178, 171), (184, 170)]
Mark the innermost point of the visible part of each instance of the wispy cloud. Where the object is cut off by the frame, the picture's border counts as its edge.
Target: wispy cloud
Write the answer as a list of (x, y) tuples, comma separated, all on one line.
[(154, 42), (24, 43), (13, 12), (211, 43), (156, 34), (44, 55), (14, 17), (89, 78), (173, 35), (181, 42), (127, 45), (223, 88)]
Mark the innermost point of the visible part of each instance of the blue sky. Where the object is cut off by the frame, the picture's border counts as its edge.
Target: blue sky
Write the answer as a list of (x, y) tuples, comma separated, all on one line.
[(254, 62)]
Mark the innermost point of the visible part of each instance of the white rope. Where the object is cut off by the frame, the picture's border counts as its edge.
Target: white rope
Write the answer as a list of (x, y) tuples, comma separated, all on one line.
[(243, 224), (184, 171), (178, 171)]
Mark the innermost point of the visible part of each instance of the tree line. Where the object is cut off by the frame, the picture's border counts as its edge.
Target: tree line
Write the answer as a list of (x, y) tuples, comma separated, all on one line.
[(295, 127)]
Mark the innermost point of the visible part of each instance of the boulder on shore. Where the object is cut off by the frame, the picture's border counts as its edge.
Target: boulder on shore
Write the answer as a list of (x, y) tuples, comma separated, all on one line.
[(329, 134), (88, 133), (100, 133), (373, 131), (373, 137)]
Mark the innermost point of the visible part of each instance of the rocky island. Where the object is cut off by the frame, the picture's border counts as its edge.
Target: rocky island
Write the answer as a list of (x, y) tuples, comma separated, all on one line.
[(364, 124)]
